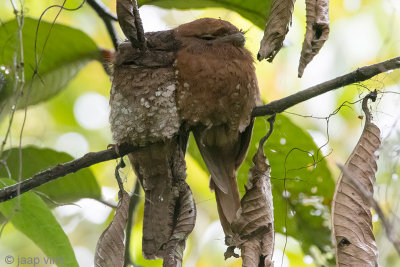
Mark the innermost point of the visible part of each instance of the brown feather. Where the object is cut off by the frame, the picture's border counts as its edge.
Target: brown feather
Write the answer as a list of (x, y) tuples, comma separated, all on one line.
[(217, 90)]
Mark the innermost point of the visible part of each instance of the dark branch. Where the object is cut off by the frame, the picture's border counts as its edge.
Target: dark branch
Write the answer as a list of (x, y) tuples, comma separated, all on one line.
[(102, 10), (358, 75), (277, 106), (107, 17), (61, 170)]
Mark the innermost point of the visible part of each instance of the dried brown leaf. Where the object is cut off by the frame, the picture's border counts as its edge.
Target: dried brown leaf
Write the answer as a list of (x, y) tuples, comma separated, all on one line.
[(317, 31), (351, 215), (130, 22), (280, 17), (253, 228), (110, 247), (186, 218)]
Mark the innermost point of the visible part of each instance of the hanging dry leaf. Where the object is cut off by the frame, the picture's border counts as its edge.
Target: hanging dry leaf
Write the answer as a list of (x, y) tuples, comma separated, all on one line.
[(253, 228), (280, 17), (185, 221), (351, 216), (110, 247), (130, 22), (317, 31)]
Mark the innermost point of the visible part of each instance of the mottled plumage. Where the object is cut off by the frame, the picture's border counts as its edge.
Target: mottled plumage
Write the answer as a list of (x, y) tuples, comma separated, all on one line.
[(144, 114), (143, 108), (197, 77)]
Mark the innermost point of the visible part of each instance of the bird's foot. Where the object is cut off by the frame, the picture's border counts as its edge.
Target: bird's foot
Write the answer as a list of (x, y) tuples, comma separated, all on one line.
[(115, 147)]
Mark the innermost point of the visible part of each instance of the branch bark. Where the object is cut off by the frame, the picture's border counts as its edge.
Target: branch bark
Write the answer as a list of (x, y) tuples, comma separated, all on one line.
[(61, 170), (276, 106), (358, 75)]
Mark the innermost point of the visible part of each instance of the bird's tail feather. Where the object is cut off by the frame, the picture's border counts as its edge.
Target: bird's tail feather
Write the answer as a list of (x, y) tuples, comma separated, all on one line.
[(220, 158), (155, 166), (227, 205)]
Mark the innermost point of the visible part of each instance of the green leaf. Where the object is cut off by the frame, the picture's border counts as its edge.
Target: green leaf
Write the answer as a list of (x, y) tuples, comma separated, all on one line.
[(30, 215), (310, 185), (195, 153), (310, 188), (255, 11), (69, 188), (63, 50)]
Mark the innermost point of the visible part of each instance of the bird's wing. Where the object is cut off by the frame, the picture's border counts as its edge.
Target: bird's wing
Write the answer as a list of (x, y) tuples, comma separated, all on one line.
[(244, 141), (222, 160)]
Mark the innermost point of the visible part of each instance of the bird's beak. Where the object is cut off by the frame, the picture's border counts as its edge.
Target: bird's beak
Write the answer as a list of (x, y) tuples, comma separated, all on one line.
[(237, 39)]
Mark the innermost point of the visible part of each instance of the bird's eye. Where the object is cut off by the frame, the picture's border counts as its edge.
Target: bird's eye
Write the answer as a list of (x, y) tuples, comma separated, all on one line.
[(207, 37)]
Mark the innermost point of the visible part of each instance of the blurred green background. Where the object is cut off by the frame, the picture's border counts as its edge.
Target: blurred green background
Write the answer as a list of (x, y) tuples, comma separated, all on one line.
[(76, 121)]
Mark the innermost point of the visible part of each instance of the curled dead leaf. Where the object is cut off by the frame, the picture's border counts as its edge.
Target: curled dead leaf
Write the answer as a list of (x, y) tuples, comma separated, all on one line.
[(110, 247), (280, 17), (317, 31), (185, 221), (351, 215), (130, 22), (253, 227)]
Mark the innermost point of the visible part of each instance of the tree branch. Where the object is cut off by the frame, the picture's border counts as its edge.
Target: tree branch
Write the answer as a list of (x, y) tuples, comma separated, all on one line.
[(61, 170), (107, 17), (358, 75), (277, 106)]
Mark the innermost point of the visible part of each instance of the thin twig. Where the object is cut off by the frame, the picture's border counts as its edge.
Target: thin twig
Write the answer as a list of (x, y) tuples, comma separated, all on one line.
[(107, 203), (271, 121), (19, 74), (102, 10), (29, 89), (104, 13), (19, 77), (369, 198), (118, 177), (372, 96), (358, 75)]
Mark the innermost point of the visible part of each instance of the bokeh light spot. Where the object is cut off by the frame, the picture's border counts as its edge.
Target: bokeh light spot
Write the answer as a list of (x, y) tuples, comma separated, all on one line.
[(91, 111), (73, 143)]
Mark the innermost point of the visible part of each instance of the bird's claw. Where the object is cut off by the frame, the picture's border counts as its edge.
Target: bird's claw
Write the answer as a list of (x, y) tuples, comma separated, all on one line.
[(115, 147)]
